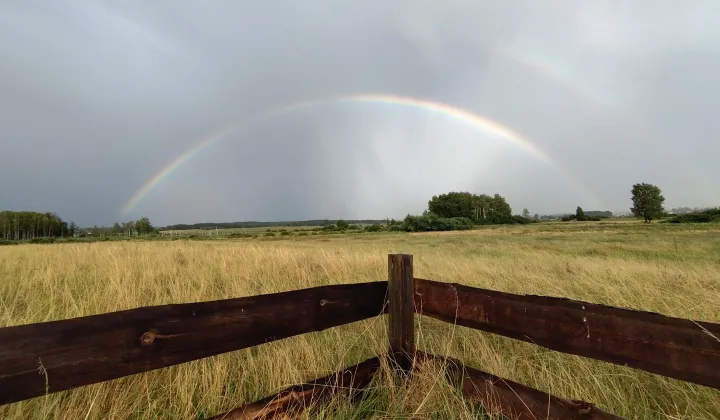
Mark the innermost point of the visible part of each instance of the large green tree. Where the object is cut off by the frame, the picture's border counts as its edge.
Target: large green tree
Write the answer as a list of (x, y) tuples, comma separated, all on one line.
[(143, 226), (647, 201), (500, 210), (478, 208), (453, 204)]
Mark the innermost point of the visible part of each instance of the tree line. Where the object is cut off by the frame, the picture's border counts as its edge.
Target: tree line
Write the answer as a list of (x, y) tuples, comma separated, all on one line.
[(139, 227), (450, 211), (25, 225), (30, 225)]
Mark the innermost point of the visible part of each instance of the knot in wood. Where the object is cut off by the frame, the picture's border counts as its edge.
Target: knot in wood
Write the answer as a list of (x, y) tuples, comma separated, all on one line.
[(323, 302), (582, 407), (587, 410), (147, 338)]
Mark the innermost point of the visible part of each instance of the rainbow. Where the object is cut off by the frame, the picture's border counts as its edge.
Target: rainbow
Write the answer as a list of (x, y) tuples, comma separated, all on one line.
[(556, 74), (463, 116)]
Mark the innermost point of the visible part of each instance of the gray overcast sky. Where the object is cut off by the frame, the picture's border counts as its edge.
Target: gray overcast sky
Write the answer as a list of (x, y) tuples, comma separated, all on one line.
[(96, 97)]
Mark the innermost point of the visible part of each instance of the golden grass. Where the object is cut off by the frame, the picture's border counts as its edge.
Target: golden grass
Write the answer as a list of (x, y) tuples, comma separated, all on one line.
[(674, 270)]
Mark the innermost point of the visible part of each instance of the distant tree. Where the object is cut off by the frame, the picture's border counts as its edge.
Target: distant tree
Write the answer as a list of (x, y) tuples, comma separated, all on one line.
[(526, 213), (647, 201), (116, 229), (72, 229), (501, 210), (579, 214), (536, 217), (143, 226), (341, 224)]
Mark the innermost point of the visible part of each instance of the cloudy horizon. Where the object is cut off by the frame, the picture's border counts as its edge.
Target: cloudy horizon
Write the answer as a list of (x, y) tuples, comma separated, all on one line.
[(98, 97)]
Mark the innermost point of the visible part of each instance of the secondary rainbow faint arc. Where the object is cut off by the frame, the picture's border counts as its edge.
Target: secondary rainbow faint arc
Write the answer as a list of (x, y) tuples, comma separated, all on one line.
[(461, 115)]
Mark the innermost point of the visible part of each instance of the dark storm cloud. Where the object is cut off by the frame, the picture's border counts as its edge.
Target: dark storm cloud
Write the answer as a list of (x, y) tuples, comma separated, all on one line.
[(96, 97)]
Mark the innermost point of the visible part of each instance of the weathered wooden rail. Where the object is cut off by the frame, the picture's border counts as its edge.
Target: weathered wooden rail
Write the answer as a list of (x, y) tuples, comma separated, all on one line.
[(48, 357)]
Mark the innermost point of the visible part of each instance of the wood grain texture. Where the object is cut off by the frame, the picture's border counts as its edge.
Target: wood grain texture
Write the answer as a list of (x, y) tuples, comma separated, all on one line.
[(514, 400), (48, 357), (401, 309), (677, 348), (299, 397)]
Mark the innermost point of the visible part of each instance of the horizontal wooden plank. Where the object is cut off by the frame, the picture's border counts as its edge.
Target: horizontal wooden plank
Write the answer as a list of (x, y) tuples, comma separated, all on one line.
[(517, 401), (673, 347), (42, 358), (297, 397)]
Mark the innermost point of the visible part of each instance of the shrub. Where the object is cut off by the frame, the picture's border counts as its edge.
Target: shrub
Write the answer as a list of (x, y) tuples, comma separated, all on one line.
[(571, 217), (241, 235), (433, 223), (705, 216), (373, 228), (270, 233), (41, 241)]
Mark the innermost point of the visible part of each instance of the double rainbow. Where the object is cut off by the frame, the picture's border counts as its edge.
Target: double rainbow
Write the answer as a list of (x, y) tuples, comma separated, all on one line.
[(479, 122)]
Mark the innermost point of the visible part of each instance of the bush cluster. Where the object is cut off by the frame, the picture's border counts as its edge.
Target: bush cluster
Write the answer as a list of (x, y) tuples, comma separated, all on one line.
[(704, 216)]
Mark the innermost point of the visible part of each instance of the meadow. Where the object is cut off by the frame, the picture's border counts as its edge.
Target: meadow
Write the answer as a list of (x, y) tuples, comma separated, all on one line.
[(229, 231), (670, 269)]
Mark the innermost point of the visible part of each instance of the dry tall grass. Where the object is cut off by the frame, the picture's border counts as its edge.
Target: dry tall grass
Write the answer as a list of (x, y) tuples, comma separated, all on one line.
[(672, 270)]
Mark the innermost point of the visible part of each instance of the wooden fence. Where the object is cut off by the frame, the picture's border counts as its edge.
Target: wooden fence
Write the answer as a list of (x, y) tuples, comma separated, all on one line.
[(43, 358)]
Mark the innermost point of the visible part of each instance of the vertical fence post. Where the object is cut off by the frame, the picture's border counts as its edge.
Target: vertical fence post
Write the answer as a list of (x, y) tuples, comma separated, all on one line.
[(401, 310)]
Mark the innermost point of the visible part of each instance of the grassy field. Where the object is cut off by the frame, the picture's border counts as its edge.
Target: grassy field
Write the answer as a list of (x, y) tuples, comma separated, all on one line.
[(674, 270), (229, 231)]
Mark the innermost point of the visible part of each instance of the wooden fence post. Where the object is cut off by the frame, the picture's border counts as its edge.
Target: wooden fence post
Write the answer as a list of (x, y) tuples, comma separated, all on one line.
[(401, 309)]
